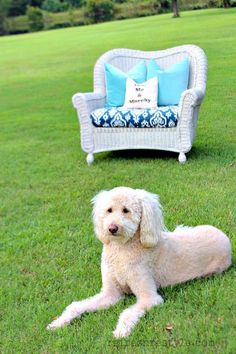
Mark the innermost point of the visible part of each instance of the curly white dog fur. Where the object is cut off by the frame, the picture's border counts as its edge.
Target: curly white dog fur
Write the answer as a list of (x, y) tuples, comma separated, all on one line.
[(139, 255)]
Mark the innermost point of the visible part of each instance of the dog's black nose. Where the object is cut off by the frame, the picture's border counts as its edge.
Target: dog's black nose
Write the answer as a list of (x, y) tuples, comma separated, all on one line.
[(113, 229)]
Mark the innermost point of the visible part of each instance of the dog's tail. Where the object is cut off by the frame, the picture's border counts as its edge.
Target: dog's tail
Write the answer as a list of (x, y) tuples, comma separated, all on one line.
[(183, 228)]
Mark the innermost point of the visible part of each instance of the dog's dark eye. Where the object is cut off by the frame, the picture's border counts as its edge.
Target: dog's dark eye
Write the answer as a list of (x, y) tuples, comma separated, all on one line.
[(109, 210), (125, 210)]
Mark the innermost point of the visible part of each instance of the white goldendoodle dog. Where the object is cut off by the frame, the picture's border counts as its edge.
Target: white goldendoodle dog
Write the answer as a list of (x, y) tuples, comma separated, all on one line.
[(139, 255)]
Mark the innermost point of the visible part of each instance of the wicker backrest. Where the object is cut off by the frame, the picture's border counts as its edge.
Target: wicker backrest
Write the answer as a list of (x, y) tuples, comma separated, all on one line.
[(125, 59)]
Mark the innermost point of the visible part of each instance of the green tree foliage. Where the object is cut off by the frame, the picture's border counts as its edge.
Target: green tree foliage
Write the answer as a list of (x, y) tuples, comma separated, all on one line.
[(165, 4), (226, 3), (36, 3), (35, 18), (18, 7), (55, 5), (76, 3), (100, 10), (4, 8)]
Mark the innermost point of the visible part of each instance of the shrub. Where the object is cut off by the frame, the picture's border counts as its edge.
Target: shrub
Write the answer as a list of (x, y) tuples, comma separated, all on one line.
[(138, 9), (100, 10), (213, 3), (4, 9), (17, 7), (165, 4), (3, 27), (55, 6), (60, 25), (35, 18)]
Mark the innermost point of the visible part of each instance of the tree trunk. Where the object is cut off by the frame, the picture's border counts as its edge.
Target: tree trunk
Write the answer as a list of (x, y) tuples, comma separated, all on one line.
[(226, 3), (175, 8)]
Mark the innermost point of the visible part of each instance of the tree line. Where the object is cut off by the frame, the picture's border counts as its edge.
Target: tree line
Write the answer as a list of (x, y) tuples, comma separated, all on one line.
[(94, 10), (19, 7)]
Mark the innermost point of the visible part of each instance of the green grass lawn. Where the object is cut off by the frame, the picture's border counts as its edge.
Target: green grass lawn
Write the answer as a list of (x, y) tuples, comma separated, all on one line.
[(49, 255)]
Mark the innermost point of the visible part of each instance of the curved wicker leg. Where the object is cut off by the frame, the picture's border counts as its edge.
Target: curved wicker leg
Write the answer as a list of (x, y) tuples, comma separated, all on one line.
[(182, 157), (90, 159)]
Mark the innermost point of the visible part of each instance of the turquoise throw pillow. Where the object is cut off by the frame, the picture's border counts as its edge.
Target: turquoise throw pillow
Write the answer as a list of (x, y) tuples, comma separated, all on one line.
[(116, 82), (171, 82)]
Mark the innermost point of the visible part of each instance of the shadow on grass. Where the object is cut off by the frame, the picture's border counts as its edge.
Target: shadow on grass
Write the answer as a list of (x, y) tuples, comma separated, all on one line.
[(206, 154), (137, 155), (173, 291)]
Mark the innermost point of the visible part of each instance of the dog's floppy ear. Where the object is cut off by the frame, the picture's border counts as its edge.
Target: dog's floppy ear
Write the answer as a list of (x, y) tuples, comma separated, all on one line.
[(98, 202), (98, 197), (152, 223)]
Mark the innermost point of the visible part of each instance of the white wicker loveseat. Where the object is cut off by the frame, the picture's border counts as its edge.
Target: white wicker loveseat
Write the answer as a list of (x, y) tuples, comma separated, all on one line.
[(178, 139)]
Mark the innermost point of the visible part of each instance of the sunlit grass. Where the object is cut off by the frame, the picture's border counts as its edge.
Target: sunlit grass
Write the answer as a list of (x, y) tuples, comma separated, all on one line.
[(49, 256)]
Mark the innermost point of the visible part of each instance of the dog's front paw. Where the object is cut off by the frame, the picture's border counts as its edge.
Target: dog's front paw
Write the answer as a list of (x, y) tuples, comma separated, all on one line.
[(126, 322), (72, 311), (58, 323), (121, 331)]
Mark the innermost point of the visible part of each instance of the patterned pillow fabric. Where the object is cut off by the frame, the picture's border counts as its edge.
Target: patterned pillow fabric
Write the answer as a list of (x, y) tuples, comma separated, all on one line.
[(171, 82), (116, 82), (161, 117), (141, 95)]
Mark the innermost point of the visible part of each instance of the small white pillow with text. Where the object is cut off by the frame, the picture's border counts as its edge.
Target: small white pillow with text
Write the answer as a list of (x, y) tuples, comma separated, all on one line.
[(141, 95)]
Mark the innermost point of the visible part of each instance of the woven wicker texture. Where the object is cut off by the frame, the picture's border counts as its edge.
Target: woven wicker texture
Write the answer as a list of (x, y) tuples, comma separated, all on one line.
[(179, 139)]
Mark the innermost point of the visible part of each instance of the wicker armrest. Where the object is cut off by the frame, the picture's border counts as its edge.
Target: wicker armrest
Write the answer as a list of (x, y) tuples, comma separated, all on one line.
[(192, 97), (85, 103), (89, 100)]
